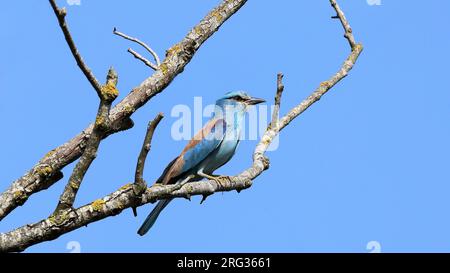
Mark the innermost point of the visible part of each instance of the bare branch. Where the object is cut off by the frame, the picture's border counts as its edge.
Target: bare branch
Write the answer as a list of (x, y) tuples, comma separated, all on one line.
[(144, 45), (138, 178), (143, 59), (42, 175), (108, 94), (348, 30), (140, 185), (276, 111), (61, 15)]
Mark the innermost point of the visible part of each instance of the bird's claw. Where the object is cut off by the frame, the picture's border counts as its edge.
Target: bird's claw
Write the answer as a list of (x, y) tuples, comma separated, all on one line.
[(220, 179)]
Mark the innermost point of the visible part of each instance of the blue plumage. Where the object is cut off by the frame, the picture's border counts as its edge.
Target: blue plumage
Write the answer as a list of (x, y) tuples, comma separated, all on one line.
[(209, 149)]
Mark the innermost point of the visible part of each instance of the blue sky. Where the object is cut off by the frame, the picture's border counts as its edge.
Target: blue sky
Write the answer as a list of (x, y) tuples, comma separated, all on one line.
[(369, 162)]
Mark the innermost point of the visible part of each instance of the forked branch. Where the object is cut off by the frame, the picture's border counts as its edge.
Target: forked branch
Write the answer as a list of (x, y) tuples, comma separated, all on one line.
[(137, 55)]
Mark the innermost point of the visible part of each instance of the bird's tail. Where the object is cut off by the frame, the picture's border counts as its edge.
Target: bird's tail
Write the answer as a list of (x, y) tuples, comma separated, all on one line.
[(151, 218)]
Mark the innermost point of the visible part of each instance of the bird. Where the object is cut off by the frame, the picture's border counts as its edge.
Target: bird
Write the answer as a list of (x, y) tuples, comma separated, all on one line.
[(212, 147)]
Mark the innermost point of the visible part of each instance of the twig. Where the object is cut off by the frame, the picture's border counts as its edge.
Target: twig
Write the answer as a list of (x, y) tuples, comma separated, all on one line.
[(61, 14), (144, 45), (324, 87), (143, 59), (276, 111), (108, 94), (139, 181), (140, 185), (348, 30)]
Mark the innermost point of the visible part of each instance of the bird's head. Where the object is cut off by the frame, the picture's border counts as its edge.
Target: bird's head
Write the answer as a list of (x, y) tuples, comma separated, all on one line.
[(238, 98)]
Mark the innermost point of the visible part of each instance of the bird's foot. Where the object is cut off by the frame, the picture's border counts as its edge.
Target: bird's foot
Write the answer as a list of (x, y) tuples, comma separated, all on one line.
[(220, 179), (181, 183)]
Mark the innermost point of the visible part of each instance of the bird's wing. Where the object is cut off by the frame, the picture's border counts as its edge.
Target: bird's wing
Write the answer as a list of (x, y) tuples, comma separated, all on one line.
[(198, 148), (166, 170)]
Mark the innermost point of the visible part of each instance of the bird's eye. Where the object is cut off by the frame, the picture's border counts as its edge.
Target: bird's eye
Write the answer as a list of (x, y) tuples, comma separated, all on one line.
[(238, 98)]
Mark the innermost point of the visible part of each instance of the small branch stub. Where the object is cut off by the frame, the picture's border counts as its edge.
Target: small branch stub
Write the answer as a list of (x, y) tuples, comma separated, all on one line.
[(109, 91), (276, 111)]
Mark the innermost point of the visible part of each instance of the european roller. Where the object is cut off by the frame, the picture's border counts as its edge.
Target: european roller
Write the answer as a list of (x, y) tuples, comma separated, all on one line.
[(212, 147)]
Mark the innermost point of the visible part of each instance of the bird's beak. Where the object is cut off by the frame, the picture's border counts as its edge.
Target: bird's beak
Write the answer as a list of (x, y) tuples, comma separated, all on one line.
[(254, 101)]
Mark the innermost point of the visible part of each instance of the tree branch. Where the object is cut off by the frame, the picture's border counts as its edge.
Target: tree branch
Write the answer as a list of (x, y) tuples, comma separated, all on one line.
[(61, 15), (348, 30), (47, 171), (137, 55), (108, 94), (139, 174), (140, 185), (277, 102), (324, 87), (142, 59)]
